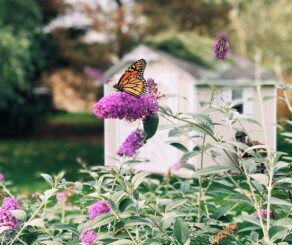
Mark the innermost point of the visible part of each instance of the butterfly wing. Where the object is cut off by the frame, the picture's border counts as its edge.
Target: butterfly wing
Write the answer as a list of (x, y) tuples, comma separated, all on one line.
[(132, 81)]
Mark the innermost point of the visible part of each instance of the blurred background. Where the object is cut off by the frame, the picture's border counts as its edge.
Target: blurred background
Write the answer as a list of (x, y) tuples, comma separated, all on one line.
[(53, 54)]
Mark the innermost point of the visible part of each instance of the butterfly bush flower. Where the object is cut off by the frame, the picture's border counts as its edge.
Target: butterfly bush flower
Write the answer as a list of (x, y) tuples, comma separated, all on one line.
[(98, 208), (93, 73), (61, 196), (1, 177), (8, 220), (120, 105), (221, 48), (262, 213), (10, 203), (132, 143), (152, 89), (88, 236)]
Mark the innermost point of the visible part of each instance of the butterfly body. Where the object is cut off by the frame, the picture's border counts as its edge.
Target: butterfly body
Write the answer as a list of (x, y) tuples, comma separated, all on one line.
[(132, 81)]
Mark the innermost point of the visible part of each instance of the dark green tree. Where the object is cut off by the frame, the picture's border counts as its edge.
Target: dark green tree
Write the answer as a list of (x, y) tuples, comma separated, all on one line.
[(23, 53)]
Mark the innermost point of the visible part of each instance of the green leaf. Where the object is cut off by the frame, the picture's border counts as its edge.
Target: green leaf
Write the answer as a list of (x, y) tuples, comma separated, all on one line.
[(122, 242), (68, 227), (181, 231), (213, 170), (248, 218), (48, 178), (150, 125), (284, 180), (262, 179), (19, 214), (285, 222), (38, 222), (278, 233), (125, 203), (103, 219), (280, 202), (152, 241), (138, 179), (189, 155), (221, 211), (136, 220), (179, 146)]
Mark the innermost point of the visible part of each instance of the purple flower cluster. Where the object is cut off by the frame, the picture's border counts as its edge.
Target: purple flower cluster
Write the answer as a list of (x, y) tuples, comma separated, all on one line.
[(133, 142), (8, 220), (221, 48), (120, 105), (262, 213), (88, 236), (98, 208), (152, 89), (10, 203), (93, 73)]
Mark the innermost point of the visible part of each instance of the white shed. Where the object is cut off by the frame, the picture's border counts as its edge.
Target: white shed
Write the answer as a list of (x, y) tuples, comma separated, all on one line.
[(178, 77)]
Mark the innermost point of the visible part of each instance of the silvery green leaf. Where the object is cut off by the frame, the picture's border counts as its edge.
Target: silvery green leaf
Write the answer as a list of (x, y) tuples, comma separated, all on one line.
[(284, 180), (262, 179), (248, 218), (103, 219), (181, 231), (213, 170), (19, 214), (138, 179), (48, 178), (278, 233), (38, 222), (78, 186), (122, 242), (277, 201), (284, 222)]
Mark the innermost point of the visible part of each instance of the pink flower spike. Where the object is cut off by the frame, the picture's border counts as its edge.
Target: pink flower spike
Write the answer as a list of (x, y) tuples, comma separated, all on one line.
[(88, 236), (98, 208)]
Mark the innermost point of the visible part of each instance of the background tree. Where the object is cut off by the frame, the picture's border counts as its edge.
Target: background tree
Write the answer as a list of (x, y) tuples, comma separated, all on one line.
[(23, 56)]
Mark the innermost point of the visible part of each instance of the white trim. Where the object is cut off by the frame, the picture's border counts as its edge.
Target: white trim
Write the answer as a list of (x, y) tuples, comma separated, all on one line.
[(248, 101)]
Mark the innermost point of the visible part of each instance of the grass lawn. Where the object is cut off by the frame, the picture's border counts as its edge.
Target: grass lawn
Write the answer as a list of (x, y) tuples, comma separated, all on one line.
[(23, 160), (53, 148)]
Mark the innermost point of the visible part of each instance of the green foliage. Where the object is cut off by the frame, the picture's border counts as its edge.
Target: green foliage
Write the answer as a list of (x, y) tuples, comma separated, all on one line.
[(185, 45), (22, 55), (16, 61), (150, 125)]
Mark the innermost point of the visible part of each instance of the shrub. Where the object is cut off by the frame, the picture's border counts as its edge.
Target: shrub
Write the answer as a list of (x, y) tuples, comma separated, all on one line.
[(123, 206)]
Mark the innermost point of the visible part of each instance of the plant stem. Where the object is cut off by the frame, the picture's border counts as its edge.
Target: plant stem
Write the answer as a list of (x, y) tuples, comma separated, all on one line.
[(25, 224), (269, 199), (266, 236), (125, 227), (63, 212), (6, 190)]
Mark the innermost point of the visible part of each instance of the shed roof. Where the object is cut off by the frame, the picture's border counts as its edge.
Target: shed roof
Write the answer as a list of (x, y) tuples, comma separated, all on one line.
[(238, 72)]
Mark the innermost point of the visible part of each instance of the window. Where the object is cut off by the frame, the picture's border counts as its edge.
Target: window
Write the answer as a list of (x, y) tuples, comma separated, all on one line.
[(237, 99), (241, 98)]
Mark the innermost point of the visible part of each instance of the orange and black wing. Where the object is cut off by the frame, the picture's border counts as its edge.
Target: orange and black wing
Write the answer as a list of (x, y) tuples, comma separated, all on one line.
[(132, 81)]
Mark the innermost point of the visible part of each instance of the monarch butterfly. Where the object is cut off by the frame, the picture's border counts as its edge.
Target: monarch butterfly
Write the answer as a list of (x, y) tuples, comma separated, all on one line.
[(132, 81)]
